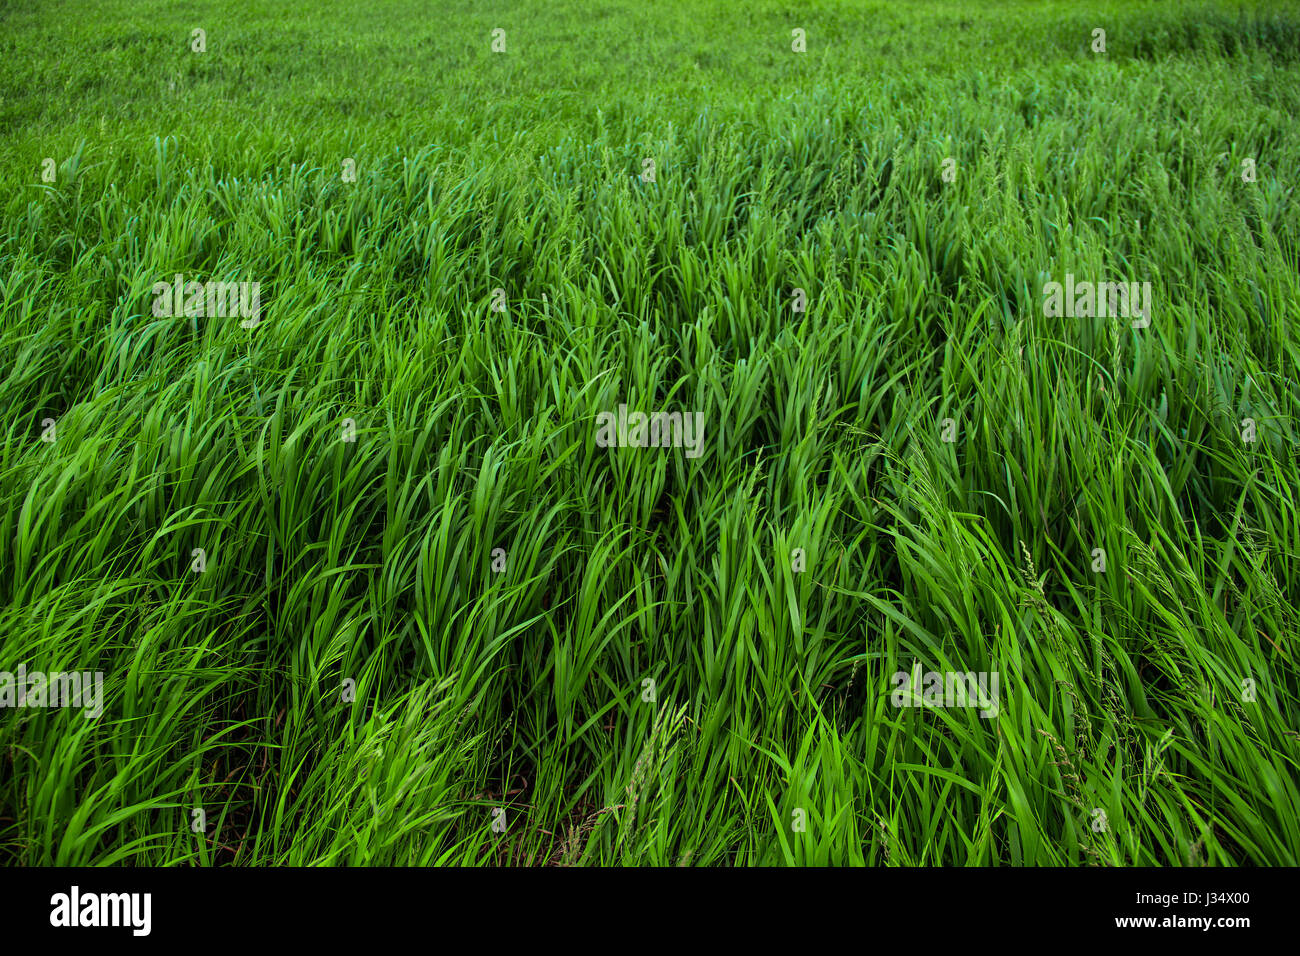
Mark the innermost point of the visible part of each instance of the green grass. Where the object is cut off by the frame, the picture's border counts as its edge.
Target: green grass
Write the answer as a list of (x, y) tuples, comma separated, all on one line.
[(371, 560)]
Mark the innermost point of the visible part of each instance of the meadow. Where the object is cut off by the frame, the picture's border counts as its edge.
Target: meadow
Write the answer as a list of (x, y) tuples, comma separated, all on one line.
[(362, 584)]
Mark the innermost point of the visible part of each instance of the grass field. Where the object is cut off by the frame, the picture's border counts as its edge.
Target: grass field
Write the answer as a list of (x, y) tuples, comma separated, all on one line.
[(362, 583)]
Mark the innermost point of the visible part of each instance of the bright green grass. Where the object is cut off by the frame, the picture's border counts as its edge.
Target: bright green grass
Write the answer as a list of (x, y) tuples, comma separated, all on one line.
[(329, 560)]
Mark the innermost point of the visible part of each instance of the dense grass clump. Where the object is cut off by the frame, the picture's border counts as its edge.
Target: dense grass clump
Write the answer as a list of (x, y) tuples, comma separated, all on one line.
[(359, 578)]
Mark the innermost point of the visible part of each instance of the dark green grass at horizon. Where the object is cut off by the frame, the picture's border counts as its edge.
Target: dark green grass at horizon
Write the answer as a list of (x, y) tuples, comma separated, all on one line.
[(371, 561)]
